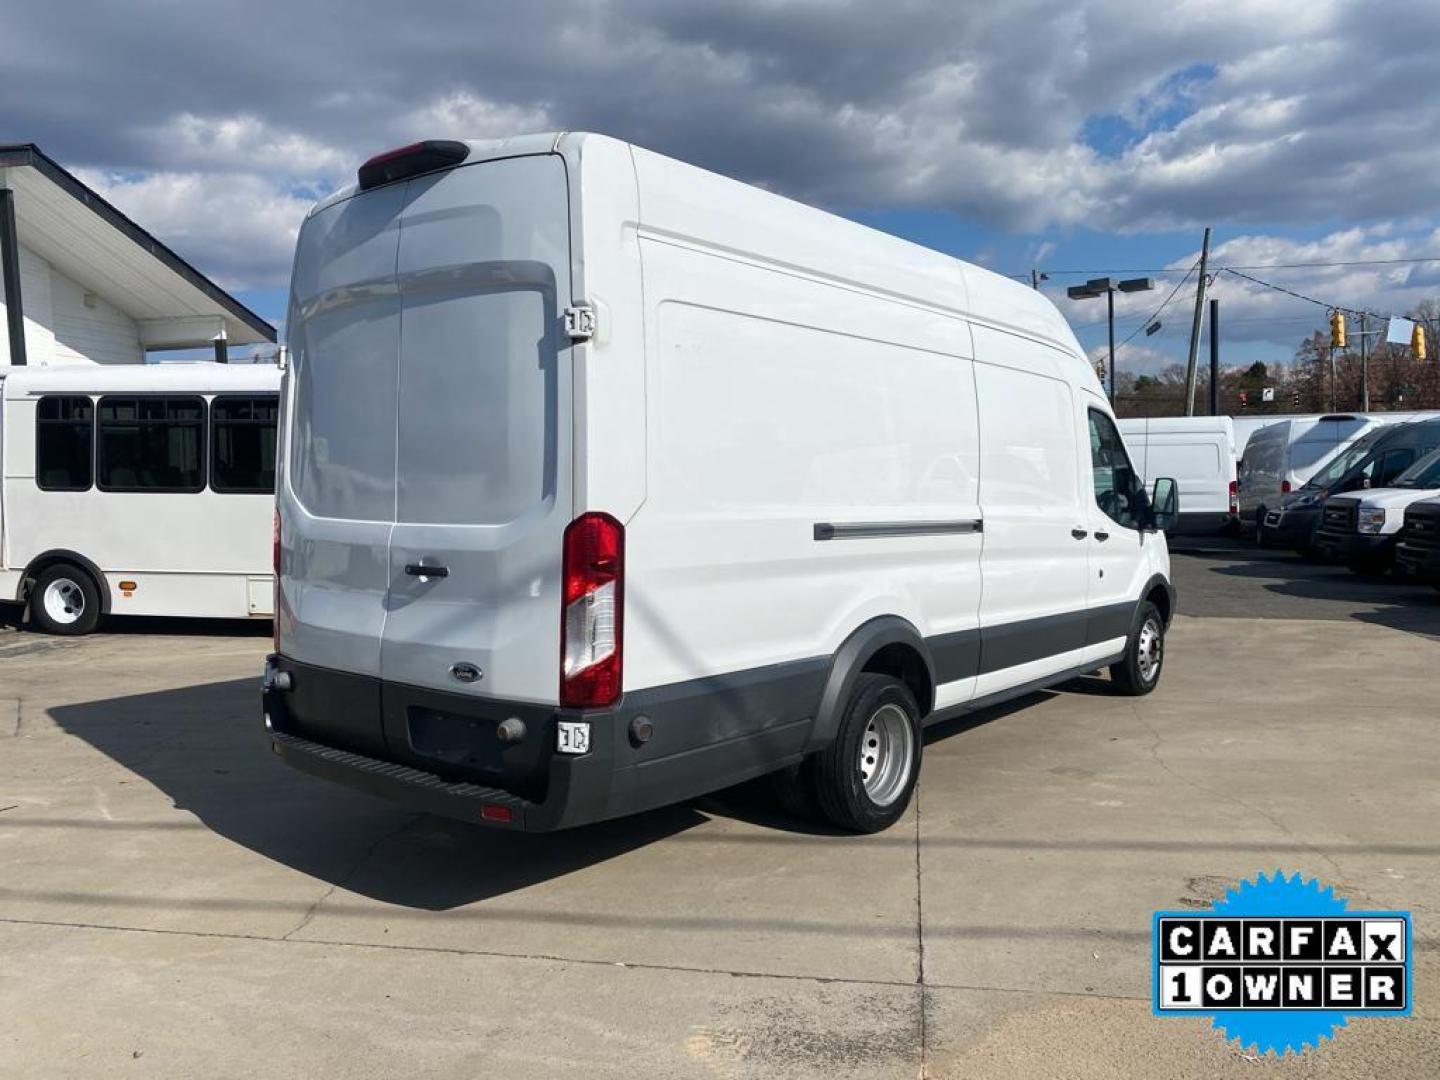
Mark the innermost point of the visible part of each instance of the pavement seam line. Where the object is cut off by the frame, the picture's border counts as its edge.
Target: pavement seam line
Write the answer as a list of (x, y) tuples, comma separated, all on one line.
[(547, 958), (920, 937), (349, 875)]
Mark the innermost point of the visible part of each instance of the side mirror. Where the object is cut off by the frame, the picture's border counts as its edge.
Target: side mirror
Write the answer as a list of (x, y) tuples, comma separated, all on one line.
[(1164, 504)]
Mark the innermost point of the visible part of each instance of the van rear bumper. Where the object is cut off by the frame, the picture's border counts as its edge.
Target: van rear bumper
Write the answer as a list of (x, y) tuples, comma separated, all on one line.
[(695, 747)]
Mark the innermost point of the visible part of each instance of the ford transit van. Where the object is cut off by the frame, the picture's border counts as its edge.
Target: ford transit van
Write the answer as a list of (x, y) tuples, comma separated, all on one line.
[(606, 482)]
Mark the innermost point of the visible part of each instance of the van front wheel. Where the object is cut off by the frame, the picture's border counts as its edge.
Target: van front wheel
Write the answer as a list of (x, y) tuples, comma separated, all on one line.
[(1139, 672), (864, 779), (64, 600)]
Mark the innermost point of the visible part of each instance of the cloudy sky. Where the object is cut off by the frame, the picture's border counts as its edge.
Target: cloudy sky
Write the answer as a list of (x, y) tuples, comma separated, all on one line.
[(1083, 137)]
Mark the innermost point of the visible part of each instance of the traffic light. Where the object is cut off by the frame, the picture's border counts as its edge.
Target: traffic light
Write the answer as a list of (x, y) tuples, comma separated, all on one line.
[(1417, 341), (1337, 330)]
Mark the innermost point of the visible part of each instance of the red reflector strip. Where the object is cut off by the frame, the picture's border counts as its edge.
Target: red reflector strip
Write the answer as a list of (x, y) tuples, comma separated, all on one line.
[(496, 812)]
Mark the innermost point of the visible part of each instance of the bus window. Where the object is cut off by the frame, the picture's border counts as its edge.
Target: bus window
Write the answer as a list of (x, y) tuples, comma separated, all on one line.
[(242, 444), (152, 444), (64, 437)]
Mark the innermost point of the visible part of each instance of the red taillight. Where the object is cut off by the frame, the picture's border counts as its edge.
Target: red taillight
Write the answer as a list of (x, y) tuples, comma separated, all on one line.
[(1234, 496), (592, 605), (1284, 487), (412, 160)]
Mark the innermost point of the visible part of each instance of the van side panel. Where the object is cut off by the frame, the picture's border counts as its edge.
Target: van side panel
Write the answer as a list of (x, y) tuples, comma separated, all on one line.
[(873, 404), (1033, 610)]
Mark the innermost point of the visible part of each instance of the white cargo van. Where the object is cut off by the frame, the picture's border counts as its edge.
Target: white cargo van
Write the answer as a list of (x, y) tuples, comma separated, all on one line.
[(1199, 453), (137, 490), (607, 482), (1280, 457)]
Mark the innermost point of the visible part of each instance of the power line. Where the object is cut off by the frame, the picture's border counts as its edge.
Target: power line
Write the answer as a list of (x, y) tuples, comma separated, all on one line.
[(1255, 266), (1302, 296), (1163, 305)]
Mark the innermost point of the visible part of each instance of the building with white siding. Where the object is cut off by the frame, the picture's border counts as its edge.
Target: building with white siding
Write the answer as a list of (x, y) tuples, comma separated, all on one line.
[(83, 284)]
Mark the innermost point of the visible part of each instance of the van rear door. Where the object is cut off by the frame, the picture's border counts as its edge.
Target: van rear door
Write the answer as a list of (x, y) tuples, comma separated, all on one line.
[(482, 437)]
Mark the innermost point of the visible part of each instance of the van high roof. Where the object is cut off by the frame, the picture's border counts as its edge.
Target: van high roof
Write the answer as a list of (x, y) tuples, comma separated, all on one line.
[(792, 235)]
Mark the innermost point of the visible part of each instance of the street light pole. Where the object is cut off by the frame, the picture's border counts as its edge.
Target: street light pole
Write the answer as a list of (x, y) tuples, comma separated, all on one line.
[(1097, 287)]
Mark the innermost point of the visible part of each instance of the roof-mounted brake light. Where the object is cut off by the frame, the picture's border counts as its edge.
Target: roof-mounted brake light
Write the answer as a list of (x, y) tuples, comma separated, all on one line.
[(412, 160)]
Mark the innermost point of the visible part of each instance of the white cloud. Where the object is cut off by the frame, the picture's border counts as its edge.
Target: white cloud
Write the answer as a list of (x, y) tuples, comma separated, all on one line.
[(1264, 112)]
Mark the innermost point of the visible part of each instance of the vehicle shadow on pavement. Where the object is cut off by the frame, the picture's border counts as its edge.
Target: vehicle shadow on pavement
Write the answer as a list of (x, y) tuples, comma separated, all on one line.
[(203, 746)]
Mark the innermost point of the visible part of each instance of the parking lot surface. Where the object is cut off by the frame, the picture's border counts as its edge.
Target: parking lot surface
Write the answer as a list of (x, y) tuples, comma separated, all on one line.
[(174, 903)]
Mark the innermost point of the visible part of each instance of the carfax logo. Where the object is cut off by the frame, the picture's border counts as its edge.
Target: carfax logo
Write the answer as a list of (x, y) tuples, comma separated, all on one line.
[(1280, 963)]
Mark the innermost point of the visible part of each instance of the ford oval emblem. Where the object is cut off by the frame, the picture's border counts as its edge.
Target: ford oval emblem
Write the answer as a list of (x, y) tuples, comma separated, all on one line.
[(466, 673)]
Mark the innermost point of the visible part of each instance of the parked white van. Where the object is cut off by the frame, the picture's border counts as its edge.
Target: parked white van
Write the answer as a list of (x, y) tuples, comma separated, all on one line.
[(137, 490), (1280, 457), (1199, 453), (607, 482)]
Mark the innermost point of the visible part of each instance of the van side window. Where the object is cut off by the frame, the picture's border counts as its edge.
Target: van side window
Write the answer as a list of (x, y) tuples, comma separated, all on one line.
[(64, 438), (1118, 491), (1392, 464), (242, 444), (151, 444)]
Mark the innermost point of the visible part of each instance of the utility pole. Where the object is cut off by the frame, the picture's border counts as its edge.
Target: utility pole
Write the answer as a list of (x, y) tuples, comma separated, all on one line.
[(1036, 277), (1110, 299), (1364, 369), (1195, 326), (1214, 357)]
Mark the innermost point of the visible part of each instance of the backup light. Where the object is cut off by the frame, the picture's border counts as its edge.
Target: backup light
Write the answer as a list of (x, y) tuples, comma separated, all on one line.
[(413, 160), (592, 613)]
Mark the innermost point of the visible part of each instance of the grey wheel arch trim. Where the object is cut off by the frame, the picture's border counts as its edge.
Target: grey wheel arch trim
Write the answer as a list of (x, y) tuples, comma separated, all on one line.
[(49, 558), (1163, 583), (849, 661)]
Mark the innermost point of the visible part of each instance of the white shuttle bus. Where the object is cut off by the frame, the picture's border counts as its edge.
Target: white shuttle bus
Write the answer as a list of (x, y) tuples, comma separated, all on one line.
[(137, 490), (606, 482)]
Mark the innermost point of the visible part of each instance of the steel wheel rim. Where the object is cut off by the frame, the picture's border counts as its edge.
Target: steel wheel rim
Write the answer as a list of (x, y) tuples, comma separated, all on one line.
[(1149, 650), (64, 601), (887, 754)]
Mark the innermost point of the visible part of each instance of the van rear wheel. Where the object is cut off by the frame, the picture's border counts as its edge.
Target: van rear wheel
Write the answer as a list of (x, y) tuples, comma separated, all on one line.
[(864, 779), (1139, 672), (64, 600)]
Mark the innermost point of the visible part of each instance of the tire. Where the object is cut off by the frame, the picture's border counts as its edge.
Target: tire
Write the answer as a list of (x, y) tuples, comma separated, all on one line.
[(1139, 672), (1367, 568), (64, 601), (881, 727)]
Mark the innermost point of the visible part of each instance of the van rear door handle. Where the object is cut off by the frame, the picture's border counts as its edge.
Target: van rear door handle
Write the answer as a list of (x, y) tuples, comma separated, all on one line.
[(419, 570), (1079, 534), (1102, 536)]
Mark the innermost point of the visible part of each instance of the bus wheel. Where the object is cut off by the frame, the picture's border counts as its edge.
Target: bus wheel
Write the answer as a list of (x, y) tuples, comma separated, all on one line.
[(64, 600), (864, 779)]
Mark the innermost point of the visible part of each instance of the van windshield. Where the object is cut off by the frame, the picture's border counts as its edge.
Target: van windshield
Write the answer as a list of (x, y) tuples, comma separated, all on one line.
[(1344, 461), (1425, 473)]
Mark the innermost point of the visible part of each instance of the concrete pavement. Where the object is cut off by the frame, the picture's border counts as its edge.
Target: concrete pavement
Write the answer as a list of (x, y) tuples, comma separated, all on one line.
[(175, 903)]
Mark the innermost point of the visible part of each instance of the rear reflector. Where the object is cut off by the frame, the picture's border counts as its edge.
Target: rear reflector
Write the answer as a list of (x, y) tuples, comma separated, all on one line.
[(412, 160), (496, 812), (591, 619)]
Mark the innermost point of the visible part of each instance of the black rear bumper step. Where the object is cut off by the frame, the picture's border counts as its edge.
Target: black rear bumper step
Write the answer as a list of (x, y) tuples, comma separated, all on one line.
[(403, 784)]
